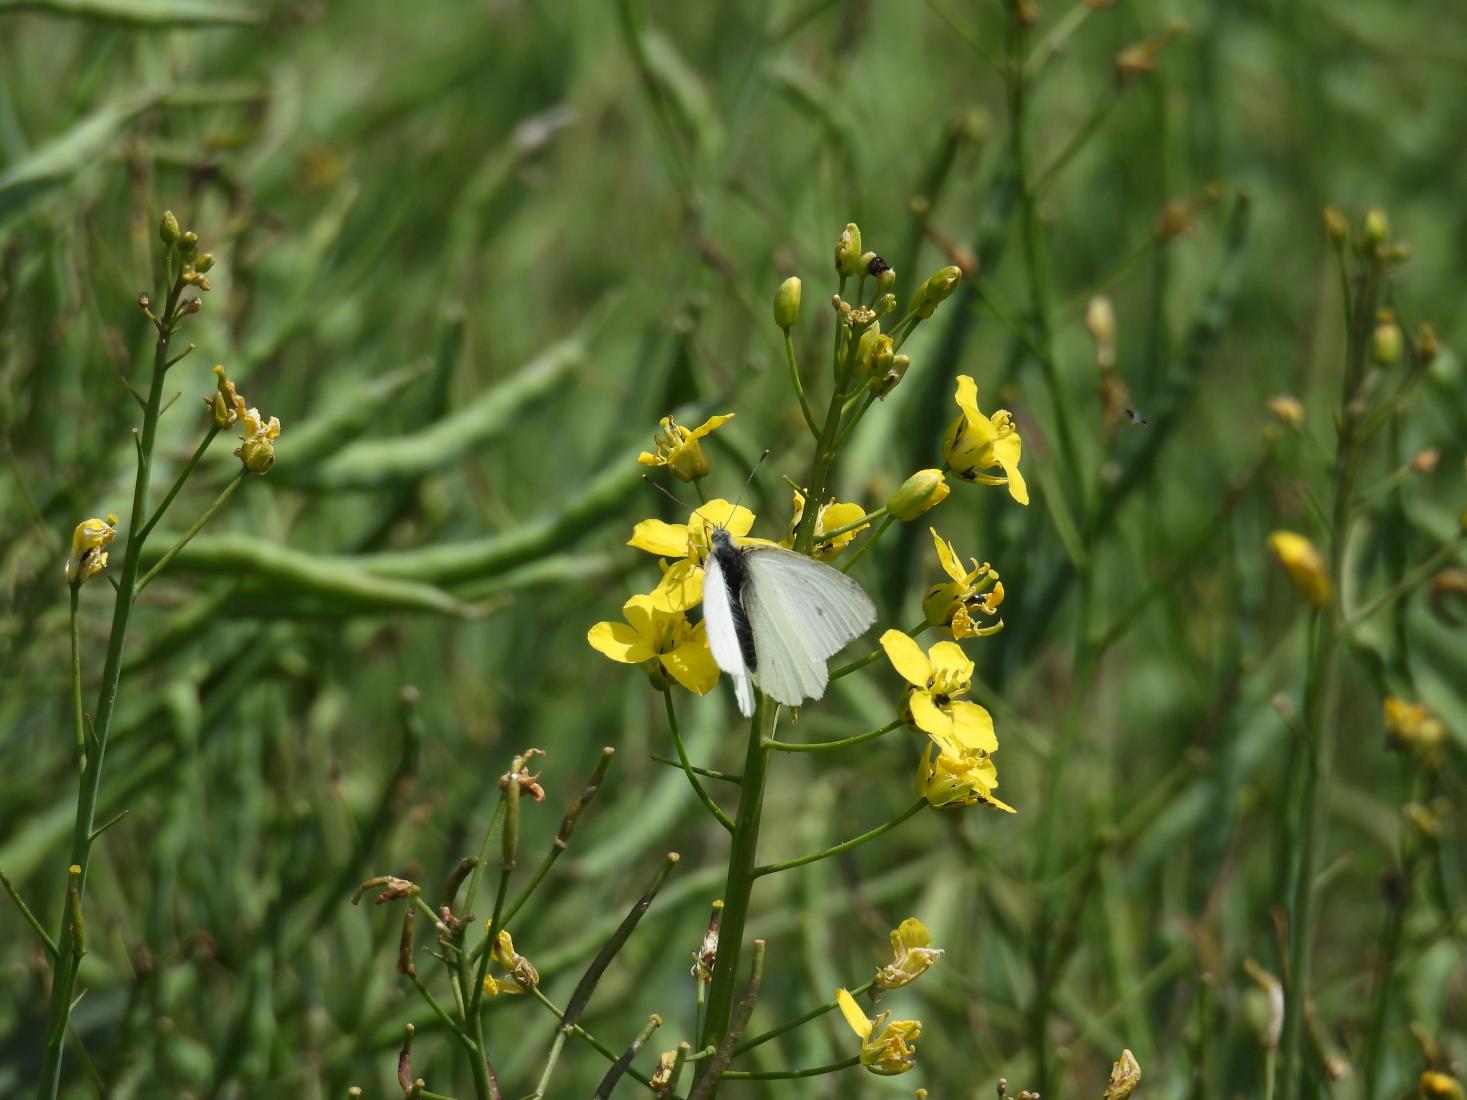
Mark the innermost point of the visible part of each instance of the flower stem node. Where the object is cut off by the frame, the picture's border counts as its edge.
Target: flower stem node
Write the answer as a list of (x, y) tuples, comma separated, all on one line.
[(787, 303), (679, 449), (848, 251), (1304, 565), (886, 1044), (89, 542), (919, 494)]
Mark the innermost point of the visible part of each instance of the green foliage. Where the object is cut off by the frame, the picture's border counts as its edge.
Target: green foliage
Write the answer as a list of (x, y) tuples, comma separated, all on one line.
[(470, 255)]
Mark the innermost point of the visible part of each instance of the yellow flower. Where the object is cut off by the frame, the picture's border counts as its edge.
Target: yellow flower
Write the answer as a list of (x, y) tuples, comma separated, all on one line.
[(681, 586), (952, 775), (1304, 565), (89, 544), (937, 677), (912, 953), (679, 450), (976, 442), (521, 976), (1412, 726), (1435, 1085), (920, 493), (969, 593), (662, 640), (886, 1044), (832, 516), (257, 451)]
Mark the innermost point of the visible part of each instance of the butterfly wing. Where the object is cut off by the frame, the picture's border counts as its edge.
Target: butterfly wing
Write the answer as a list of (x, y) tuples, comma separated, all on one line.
[(723, 640), (802, 611)]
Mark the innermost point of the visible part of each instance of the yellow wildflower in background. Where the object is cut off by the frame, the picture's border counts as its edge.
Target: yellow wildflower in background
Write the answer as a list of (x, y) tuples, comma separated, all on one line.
[(912, 954), (1435, 1085), (976, 442), (662, 640), (682, 585), (831, 517), (886, 1044), (1304, 565), (1412, 726), (937, 677), (89, 542), (970, 592), (679, 449)]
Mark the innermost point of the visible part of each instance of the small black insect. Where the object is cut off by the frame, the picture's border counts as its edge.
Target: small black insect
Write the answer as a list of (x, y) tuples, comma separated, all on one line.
[(1136, 418), (877, 266)]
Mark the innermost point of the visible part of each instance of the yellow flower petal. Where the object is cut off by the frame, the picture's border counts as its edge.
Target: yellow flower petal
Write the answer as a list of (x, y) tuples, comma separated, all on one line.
[(620, 642), (967, 400), (853, 1014), (640, 612), (691, 664), (972, 727), (930, 718), (711, 424), (907, 658), (952, 672), (669, 540), (948, 557), (1006, 450), (909, 934), (680, 588)]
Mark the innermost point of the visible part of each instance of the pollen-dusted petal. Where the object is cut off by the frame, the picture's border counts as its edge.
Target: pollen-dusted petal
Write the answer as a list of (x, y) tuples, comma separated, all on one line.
[(907, 658), (973, 727), (931, 718), (668, 540), (691, 663), (680, 588), (853, 1014), (620, 642), (952, 672), (948, 557), (1006, 449)]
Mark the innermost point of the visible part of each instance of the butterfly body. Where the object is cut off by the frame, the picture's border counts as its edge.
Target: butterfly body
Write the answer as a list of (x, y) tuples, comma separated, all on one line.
[(775, 617)]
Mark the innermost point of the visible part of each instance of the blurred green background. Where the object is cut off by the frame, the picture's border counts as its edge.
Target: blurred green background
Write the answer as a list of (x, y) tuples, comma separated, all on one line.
[(410, 203)]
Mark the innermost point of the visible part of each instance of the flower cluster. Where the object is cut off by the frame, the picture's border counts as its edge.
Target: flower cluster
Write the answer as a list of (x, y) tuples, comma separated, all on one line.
[(886, 1044), (957, 766), (227, 406)]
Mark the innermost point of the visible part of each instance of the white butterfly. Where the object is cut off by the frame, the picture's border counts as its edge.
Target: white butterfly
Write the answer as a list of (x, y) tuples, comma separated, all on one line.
[(775, 617)]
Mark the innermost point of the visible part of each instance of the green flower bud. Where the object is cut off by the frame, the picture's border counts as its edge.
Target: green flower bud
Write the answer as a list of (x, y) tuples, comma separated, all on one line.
[(1376, 228), (920, 493), (188, 243), (935, 290), (886, 280), (787, 303), (1386, 340), (848, 251), (893, 376), (204, 262), (1427, 344), (1335, 225), (168, 228)]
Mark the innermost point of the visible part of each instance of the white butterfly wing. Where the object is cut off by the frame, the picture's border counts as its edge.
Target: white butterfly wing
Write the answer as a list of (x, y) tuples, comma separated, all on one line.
[(722, 639), (802, 612)]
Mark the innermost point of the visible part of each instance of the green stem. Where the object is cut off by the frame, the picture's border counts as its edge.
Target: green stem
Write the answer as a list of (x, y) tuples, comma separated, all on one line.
[(64, 983), (789, 354), (865, 546), (740, 883), (178, 482), (682, 755), (854, 842), (830, 746), (791, 1074), (30, 918), (78, 718), (710, 773), (187, 537), (1321, 702), (789, 1025)]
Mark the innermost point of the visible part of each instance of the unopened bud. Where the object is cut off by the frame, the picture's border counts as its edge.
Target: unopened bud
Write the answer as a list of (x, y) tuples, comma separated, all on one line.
[(1287, 408), (920, 493), (787, 303), (1304, 565), (188, 243), (1125, 1075), (1376, 228), (848, 251), (1385, 341), (1427, 344), (1335, 225), (168, 227), (1439, 1086), (204, 262), (937, 288), (193, 305), (893, 376)]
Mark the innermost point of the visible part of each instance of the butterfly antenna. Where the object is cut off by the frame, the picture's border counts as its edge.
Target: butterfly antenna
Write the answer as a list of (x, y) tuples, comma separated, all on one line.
[(750, 480), (666, 492)]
